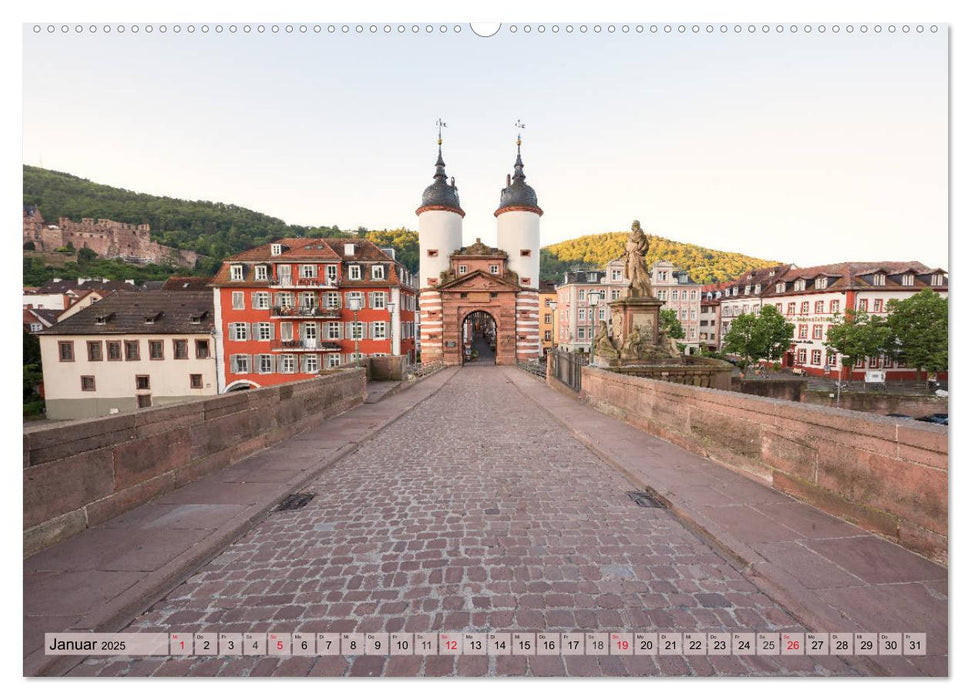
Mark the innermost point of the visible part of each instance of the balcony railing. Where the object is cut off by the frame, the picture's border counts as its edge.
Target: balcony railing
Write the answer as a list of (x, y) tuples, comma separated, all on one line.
[(305, 312), (307, 345), (304, 282)]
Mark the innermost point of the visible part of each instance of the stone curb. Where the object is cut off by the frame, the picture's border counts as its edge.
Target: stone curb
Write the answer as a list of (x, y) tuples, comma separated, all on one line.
[(121, 610)]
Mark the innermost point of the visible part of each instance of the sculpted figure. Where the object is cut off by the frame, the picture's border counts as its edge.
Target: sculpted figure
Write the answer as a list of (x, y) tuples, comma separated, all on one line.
[(635, 268), (633, 343), (603, 346)]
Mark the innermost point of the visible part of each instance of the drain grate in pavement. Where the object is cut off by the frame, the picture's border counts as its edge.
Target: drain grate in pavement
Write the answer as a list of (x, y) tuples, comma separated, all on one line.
[(644, 499), (295, 501)]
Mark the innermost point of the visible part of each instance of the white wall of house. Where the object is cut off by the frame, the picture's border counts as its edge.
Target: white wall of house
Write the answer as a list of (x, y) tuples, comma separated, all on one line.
[(115, 383)]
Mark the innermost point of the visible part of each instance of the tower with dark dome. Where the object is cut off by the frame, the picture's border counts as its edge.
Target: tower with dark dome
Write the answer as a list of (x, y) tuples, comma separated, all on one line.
[(517, 219)]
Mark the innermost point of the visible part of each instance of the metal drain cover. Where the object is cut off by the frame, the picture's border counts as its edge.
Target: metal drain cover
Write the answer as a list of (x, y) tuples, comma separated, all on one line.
[(644, 499), (295, 501)]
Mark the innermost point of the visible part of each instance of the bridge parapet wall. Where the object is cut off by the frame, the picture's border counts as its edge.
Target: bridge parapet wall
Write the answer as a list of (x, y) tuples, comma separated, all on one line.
[(82, 473), (885, 475)]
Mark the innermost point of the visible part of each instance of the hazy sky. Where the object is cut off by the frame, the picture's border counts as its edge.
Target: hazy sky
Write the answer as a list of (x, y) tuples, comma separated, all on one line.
[(806, 148)]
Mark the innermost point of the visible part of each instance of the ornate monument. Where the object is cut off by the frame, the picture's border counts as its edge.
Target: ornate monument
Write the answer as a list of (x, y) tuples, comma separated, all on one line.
[(635, 317), (636, 345)]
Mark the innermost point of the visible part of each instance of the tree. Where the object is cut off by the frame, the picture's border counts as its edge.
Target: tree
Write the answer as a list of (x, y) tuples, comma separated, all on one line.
[(670, 325), (765, 336), (917, 330), (857, 336), (86, 255)]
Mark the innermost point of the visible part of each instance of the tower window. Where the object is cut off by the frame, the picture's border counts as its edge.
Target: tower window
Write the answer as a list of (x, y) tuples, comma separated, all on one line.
[(432, 253), (494, 269), (525, 253), (525, 280)]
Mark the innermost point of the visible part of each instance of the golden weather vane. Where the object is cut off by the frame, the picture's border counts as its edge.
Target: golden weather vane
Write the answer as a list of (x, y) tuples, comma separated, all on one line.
[(441, 125), (519, 135)]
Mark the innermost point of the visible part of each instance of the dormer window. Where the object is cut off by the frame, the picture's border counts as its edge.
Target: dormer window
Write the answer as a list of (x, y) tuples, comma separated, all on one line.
[(906, 280), (780, 288), (799, 286), (748, 289), (236, 273), (463, 269), (377, 272), (494, 269), (937, 280), (102, 320), (880, 280), (331, 274), (822, 283), (276, 249), (349, 249), (758, 289), (152, 318), (262, 272), (198, 316), (591, 277), (354, 272)]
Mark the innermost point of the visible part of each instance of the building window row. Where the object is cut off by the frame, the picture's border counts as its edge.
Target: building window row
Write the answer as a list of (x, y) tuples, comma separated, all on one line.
[(130, 350)]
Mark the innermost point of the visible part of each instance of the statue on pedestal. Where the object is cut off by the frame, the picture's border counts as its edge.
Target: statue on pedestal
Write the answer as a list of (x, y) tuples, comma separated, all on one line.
[(635, 268)]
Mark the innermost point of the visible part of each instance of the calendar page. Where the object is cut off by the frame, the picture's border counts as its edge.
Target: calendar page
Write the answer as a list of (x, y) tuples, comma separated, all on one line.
[(485, 350)]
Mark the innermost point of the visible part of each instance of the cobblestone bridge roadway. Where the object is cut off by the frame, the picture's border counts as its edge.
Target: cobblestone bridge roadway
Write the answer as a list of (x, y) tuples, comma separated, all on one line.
[(475, 511)]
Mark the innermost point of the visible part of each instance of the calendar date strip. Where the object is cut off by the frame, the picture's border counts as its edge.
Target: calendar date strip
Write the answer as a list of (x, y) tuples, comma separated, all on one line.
[(488, 644)]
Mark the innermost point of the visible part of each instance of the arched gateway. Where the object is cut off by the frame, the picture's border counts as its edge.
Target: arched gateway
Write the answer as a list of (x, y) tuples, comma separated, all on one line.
[(480, 337)]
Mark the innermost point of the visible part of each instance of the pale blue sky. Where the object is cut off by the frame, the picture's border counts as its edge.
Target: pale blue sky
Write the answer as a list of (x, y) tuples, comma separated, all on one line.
[(804, 148)]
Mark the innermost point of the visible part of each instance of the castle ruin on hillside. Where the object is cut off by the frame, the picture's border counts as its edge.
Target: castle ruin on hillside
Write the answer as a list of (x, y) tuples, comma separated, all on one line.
[(109, 239)]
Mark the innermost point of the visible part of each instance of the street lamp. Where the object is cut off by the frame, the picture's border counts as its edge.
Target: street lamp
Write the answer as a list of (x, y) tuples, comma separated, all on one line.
[(593, 298), (555, 324), (354, 304), (391, 308)]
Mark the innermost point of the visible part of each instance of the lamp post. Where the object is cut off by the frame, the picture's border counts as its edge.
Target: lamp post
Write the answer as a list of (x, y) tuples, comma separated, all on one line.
[(553, 331), (354, 304), (593, 298)]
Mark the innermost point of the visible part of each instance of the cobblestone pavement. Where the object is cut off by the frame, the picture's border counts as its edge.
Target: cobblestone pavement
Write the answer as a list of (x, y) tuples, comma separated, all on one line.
[(476, 511)]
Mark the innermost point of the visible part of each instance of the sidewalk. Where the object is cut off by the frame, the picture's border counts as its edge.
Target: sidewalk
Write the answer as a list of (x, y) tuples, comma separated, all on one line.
[(831, 575), (101, 579)]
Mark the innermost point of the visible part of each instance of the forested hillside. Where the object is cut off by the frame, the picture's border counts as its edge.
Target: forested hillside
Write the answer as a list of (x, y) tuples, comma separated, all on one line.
[(594, 251), (219, 230)]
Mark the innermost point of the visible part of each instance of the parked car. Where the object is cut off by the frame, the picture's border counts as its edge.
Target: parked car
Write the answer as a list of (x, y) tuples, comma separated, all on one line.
[(936, 418), (799, 371)]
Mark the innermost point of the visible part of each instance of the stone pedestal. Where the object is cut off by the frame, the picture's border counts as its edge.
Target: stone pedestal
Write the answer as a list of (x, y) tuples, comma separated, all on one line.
[(629, 312)]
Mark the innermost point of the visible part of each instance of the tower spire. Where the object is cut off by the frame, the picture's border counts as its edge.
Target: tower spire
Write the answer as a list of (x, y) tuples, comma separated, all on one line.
[(440, 163), (518, 172)]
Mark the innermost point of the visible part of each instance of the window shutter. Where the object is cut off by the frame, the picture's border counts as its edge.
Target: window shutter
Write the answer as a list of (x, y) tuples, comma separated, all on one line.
[(255, 300), (272, 332)]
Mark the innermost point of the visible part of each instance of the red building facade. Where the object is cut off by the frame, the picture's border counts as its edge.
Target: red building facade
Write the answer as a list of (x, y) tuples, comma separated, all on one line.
[(285, 310)]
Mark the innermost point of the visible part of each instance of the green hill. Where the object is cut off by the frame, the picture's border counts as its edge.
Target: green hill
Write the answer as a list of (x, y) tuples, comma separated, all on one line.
[(594, 251), (218, 230)]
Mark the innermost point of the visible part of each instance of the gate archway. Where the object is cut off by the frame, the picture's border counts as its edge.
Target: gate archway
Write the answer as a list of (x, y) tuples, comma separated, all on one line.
[(479, 332)]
